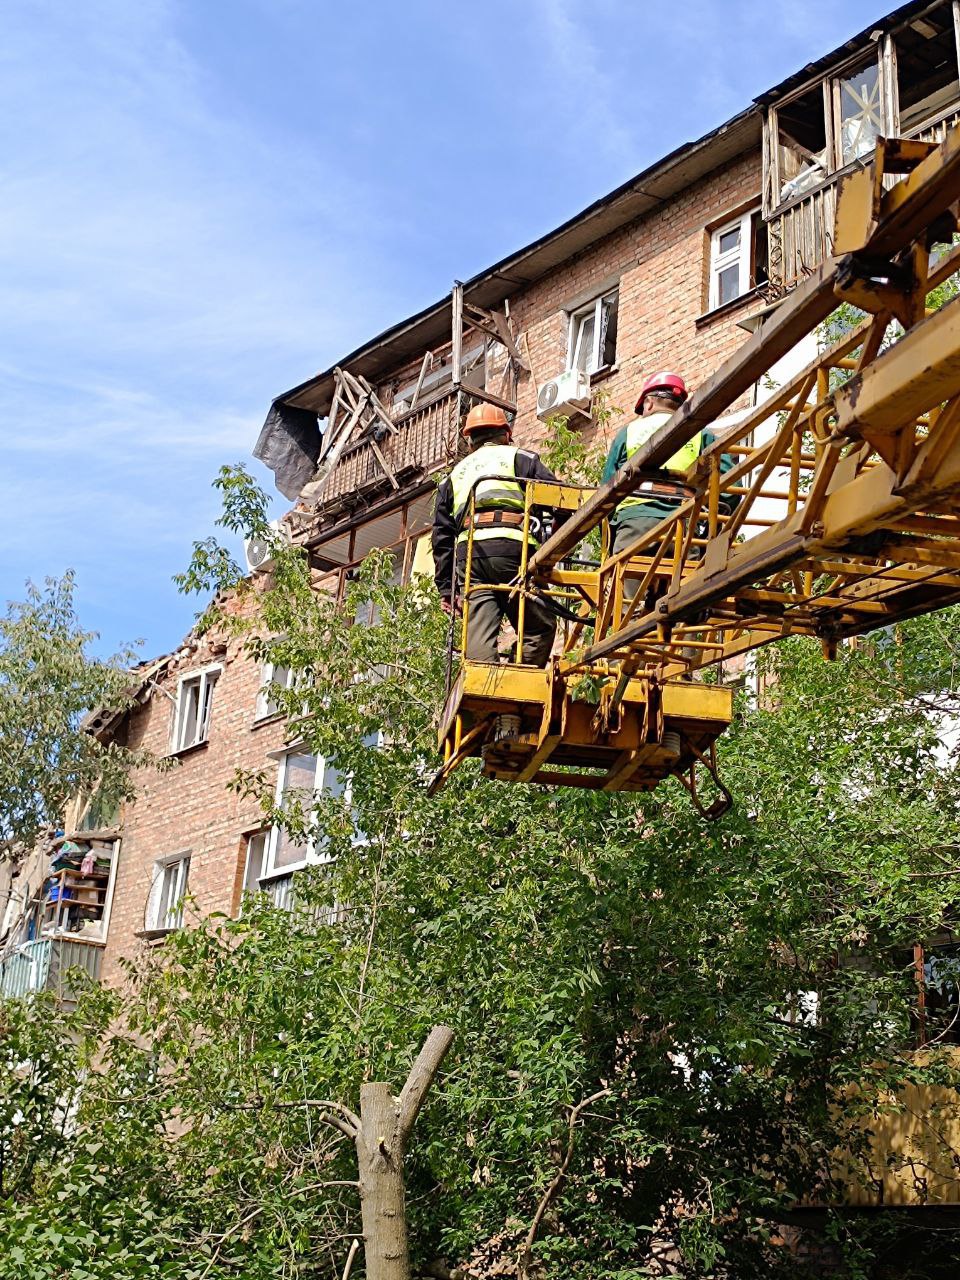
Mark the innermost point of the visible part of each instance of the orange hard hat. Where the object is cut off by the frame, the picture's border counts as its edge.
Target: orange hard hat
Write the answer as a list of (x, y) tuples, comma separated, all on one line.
[(484, 416), (672, 383)]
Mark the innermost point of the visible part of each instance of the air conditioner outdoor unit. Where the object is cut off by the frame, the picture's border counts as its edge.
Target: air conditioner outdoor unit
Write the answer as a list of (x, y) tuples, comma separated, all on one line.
[(259, 551), (567, 394)]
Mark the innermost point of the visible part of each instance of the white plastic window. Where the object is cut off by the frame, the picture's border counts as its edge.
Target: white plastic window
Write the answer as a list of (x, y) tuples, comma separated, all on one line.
[(730, 258), (191, 724), (592, 335), (273, 677), (165, 908), (301, 777)]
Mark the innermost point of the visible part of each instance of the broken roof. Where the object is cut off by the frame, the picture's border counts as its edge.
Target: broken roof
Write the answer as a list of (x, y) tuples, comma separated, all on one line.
[(628, 202)]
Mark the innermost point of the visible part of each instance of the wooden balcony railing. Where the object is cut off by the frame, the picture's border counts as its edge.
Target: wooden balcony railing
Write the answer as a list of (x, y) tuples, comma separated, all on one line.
[(426, 438)]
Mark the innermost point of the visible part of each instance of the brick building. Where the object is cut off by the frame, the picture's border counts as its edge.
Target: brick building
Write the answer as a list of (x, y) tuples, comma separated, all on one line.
[(673, 269)]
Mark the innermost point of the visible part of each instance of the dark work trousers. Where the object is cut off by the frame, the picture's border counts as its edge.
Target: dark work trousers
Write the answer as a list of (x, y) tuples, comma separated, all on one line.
[(623, 535), (495, 561)]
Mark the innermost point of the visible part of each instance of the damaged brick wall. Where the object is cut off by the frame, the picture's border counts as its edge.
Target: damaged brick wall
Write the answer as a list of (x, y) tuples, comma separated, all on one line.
[(189, 806)]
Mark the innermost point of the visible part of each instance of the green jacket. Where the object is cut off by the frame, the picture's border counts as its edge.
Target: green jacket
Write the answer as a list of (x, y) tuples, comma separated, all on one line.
[(660, 506)]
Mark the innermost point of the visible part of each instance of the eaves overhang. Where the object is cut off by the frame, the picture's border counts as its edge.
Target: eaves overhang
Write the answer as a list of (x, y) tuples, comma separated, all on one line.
[(814, 70)]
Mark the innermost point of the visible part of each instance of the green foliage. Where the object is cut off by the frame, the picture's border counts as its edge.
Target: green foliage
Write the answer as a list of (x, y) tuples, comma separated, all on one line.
[(48, 681), (569, 453), (577, 942)]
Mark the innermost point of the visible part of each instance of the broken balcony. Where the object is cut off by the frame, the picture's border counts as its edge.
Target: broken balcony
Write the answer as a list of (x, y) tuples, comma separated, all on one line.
[(905, 84), (389, 455)]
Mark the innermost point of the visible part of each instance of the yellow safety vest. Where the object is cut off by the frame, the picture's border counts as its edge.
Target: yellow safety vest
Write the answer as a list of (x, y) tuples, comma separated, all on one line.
[(639, 432), (494, 466)]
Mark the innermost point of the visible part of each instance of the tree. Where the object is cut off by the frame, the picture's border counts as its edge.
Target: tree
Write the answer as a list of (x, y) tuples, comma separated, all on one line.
[(631, 1085), (49, 679)]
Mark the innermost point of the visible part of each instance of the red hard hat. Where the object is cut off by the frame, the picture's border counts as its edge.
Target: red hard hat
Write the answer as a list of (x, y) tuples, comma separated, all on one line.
[(483, 416), (671, 382)]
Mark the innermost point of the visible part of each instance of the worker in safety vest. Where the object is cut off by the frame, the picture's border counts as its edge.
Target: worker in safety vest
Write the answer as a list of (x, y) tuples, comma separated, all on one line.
[(490, 471), (653, 500)]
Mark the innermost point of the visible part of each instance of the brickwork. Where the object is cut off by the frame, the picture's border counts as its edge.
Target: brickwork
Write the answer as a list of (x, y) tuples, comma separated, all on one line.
[(660, 261), (189, 807)]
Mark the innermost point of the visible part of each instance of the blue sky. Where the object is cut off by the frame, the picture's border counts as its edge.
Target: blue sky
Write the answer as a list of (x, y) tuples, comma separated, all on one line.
[(204, 203)]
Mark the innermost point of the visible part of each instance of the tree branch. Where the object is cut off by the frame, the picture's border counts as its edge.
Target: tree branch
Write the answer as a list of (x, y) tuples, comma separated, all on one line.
[(335, 1113), (348, 1265), (421, 1077), (551, 1192)]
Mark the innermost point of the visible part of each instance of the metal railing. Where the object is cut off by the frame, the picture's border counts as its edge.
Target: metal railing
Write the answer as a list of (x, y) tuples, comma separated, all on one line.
[(44, 963)]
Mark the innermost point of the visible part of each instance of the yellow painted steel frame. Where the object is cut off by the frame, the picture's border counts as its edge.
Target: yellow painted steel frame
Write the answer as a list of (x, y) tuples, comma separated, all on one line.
[(570, 725), (839, 515)]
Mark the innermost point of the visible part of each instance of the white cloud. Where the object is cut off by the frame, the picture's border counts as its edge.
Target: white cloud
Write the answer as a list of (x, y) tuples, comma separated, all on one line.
[(166, 267)]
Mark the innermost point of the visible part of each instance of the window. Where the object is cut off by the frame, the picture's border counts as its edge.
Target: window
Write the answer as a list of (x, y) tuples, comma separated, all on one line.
[(273, 677), (192, 718), (859, 110), (801, 145), (830, 125), (936, 971), (301, 777), (253, 866), (165, 908), (592, 337), (737, 259)]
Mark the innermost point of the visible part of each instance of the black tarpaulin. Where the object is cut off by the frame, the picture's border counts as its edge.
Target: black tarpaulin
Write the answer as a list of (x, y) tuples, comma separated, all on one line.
[(289, 444)]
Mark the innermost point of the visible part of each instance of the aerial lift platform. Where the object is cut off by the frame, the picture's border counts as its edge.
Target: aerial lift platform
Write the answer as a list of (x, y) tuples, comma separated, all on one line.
[(840, 515)]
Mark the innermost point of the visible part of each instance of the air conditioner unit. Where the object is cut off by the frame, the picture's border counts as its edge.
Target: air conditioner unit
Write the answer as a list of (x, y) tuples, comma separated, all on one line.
[(568, 394), (259, 551)]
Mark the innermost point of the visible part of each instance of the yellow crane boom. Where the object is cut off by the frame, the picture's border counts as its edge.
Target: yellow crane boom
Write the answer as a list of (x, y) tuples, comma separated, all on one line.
[(840, 514)]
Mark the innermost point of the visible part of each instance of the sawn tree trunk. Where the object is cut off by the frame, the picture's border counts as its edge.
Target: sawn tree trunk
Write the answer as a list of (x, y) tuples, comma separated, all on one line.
[(381, 1141)]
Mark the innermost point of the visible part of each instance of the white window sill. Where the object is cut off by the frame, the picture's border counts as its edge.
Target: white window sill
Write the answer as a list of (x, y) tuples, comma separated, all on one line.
[(726, 308)]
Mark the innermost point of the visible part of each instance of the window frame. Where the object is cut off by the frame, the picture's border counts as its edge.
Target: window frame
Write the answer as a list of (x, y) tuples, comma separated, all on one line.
[(575, 317), (161, 917), (829, 85), (265, 708), (834, 97), (722, 261), (314, 855), (205, 679)]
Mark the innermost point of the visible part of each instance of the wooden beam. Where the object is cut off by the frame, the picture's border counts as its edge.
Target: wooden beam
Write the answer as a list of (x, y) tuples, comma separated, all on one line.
[(481, 394), (428, 356), (378, 454), (456, 337)]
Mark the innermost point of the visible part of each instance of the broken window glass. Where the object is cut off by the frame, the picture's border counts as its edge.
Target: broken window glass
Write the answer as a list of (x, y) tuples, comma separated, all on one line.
[(801, 144), (194, 704), (593, 334), (861, 114)]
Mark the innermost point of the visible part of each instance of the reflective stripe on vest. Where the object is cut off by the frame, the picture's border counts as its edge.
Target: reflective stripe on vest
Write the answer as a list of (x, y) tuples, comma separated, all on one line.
[(492, 469), (639, 432)]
